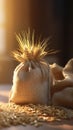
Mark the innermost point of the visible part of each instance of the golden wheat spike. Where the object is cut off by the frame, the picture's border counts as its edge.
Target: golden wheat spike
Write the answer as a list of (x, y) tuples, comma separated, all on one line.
[(29, 49), (18, 56)]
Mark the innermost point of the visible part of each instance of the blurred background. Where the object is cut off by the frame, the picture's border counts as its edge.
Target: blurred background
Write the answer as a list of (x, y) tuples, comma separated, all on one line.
[(49, 18)]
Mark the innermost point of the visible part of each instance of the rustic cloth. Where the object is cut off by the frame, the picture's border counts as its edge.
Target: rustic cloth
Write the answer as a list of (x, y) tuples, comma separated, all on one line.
[(63, 88)]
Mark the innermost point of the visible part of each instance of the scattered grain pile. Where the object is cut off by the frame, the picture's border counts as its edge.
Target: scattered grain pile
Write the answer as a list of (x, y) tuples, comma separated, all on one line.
[(12, 114)]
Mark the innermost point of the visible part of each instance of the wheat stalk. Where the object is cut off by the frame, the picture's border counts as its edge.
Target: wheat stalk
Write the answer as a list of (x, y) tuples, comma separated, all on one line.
[(29, 49)]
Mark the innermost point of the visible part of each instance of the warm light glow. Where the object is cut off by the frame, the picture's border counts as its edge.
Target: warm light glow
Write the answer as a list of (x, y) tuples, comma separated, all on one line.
[(2, 26), (2, 40), (2, 15)]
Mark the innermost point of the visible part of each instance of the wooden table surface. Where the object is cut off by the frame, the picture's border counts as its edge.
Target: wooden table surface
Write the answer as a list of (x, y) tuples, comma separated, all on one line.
[(64, 125)]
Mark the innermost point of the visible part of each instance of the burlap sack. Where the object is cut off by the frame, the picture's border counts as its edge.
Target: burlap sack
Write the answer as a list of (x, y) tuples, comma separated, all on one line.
[(62, 76), (64, 98), (30, 84), (63, 94), (32, 77)]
